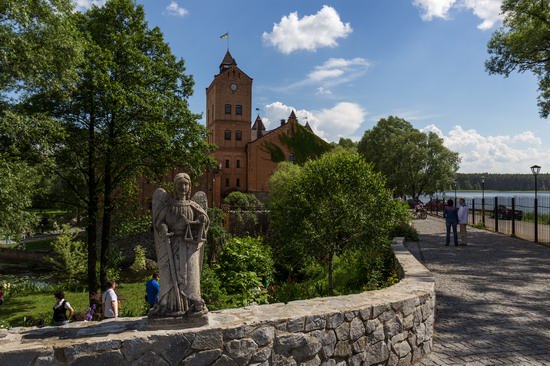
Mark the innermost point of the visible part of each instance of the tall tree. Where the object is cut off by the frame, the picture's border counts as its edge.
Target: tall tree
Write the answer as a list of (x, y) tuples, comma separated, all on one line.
[(328, 206), (413, 162), (523, 44), (128, 117), (40, 48)]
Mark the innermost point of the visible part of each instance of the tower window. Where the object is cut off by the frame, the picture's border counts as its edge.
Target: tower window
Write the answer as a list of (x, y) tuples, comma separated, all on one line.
[(238, 163), (239, 109), (227, 163), (227, 135), (238, 135), (227, 182), (238, 182), (228, 109)]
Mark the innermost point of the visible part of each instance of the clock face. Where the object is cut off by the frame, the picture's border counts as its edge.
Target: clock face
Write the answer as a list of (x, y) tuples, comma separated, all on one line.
[(233, 87)]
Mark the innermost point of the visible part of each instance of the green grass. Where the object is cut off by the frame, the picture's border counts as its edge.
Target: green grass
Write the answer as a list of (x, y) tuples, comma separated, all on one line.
[(39, 305)]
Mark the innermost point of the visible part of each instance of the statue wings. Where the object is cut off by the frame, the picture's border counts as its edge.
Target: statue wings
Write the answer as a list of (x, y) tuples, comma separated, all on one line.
[(201, 199)]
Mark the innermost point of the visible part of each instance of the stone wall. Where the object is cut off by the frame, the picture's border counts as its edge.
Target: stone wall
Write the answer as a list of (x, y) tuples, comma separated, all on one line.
[(393, 326)]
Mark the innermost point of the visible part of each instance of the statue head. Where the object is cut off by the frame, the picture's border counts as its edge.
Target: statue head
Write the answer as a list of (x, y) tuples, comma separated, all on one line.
[(182, 185)]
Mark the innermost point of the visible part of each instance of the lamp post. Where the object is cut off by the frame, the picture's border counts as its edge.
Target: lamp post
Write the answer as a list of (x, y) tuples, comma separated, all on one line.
[(535, 169), (483, 200), (455, 183)]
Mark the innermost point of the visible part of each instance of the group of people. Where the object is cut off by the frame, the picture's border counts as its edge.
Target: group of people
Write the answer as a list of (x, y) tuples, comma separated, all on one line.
[(109, 301), (456, 216)]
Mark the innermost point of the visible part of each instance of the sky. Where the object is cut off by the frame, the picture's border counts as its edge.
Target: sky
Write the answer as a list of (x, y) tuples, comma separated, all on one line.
[(344, 65)]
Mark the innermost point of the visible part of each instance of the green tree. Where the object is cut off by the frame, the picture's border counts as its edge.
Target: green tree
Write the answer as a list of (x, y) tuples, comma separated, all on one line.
[(523, 44), (126, 117), (330, 205), (41, 47), (413, 162)]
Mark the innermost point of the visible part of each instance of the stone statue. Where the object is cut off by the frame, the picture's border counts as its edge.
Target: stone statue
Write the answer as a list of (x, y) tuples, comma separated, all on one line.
[(180, 226)]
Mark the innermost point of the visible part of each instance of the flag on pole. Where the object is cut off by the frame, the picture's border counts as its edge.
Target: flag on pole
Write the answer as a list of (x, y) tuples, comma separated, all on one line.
[(224, 36)]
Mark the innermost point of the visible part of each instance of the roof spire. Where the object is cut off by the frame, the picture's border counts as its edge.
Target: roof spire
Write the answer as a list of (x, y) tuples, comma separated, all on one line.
[(227, 62)]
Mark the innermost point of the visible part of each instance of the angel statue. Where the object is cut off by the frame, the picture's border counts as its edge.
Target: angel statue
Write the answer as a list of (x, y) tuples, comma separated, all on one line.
[(180, 226)]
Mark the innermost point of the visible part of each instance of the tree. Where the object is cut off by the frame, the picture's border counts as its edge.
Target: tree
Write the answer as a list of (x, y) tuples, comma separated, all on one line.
[(523, 44), (127, 117), (40, 50), (413, 162), (330, 205)]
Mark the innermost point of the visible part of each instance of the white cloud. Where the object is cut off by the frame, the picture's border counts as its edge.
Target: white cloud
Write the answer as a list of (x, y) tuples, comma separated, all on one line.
[(434, 8), (83, 5), (493, 154), (342, 120), (487, 10), (332, 72), (175, 10), (309, 32)]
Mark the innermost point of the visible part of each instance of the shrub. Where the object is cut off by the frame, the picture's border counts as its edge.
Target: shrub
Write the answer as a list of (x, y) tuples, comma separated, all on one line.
[(406, 230), (70, 255)]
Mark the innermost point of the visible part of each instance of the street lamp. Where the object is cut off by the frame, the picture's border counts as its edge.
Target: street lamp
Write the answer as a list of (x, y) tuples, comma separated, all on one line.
[(535, 169), (483, 200), (455, 183)]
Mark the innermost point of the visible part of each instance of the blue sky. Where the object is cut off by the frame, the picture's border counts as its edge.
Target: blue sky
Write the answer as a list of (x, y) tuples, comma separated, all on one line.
[(343, 65)]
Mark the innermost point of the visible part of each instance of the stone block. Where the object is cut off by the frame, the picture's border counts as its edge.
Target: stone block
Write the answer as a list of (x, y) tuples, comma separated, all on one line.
[(133, 347), (308, 350), (176, 348), (315, 322), (263, 336), (377, 353), (236, 333), (342, 332), (358, 359), (203, 358), (376, 336), (335, 320), (225, 360), (150, 358), (73, 352), (386, 315), (366, 313), (315, 361), (208, 339), (402, 349), (342, 349), (241, 350), (349, 315), (356, 329), (379, 309), (296, 325), (360, 345), (371, 325), (393, 326), (281, 360), (101, 358), (262, 354), (285, 343)]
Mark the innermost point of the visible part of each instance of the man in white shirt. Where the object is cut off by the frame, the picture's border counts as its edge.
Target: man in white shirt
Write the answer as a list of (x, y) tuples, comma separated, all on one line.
[(110, 301), (463, 221)]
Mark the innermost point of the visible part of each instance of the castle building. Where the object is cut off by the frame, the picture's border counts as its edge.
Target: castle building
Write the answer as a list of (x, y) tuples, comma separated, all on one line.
[(247, 153)]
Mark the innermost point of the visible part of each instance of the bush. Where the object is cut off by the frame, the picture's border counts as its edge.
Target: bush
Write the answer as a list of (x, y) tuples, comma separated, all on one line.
[(71, 256), (406, 230)]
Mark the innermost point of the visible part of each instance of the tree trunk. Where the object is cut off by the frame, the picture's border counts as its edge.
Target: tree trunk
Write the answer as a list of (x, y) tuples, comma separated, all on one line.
[(330, 270), (107, 206), (93, 286)]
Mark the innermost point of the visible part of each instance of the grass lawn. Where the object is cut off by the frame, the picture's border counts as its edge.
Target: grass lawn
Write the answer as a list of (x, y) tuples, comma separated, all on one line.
[(39, 305)]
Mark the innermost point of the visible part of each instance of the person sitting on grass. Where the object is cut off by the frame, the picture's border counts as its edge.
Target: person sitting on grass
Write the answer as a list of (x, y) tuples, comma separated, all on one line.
[(60, 310)]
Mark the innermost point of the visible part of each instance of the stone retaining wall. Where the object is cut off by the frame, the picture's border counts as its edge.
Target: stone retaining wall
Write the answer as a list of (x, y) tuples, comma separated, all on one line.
[(393, 326)]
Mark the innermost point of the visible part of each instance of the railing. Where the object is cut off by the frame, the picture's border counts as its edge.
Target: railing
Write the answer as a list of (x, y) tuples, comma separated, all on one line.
[(522, 217)]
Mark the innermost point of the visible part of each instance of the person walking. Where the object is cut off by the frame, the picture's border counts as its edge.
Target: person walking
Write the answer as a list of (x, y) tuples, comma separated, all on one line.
[(110, 301), (463, 221), (450, 213), (60, 310), (152, 288)]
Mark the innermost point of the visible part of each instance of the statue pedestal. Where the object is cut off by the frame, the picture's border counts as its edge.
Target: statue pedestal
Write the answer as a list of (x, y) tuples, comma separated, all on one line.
[(182, 322)]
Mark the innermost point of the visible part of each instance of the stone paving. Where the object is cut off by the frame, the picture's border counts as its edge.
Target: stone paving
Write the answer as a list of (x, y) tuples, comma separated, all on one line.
[(492, 297)]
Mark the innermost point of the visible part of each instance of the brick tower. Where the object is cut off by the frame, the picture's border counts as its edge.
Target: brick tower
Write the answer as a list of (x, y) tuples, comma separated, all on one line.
[(228, 118)]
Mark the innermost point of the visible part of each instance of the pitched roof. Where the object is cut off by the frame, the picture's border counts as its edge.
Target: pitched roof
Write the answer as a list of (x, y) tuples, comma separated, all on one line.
[(227, 61), (258, 124)]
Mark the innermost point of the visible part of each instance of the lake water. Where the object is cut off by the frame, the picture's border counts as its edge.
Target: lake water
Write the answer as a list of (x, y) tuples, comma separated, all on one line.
[(523, 200)]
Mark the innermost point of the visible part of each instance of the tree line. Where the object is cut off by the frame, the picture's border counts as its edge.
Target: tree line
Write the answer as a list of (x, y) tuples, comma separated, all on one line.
[(502, 182)]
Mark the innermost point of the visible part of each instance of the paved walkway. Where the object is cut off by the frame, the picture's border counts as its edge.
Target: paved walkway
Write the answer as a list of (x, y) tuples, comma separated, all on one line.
[(492, 298)]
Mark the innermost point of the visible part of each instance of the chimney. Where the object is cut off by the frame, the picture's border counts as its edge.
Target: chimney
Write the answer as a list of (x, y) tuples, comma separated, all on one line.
[(283, 122)]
